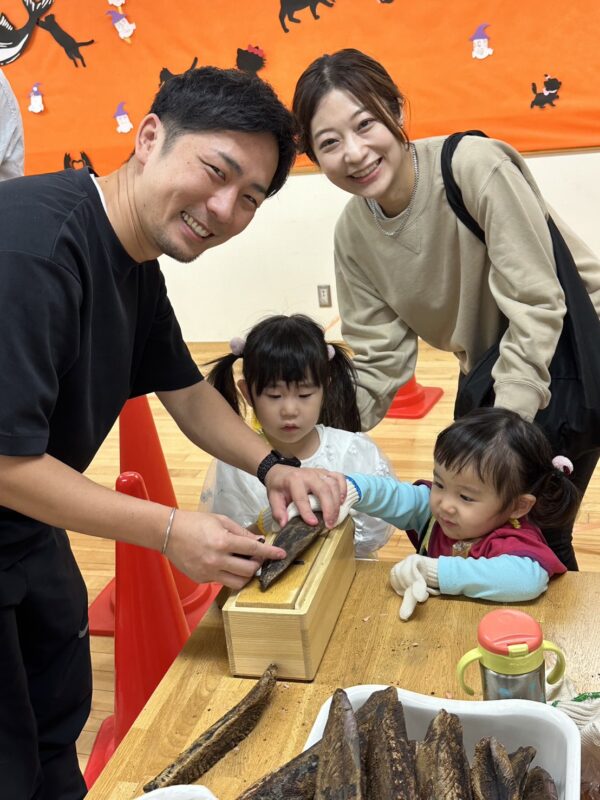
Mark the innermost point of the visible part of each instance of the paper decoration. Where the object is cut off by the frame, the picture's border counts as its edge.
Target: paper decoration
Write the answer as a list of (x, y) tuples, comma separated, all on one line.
[(250, 60), (166, 74), (65, 40), (122, 25), (36, 101), (13, 41), (124, 124), (480, 42), (548, 94), (78, 163), (288, 7)]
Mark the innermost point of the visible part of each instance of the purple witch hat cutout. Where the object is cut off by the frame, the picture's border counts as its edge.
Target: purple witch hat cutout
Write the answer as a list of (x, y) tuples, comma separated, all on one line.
[(124, 124), (480, 42)]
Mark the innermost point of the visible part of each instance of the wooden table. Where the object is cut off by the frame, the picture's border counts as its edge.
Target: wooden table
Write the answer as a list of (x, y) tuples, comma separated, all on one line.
[(369, 645)]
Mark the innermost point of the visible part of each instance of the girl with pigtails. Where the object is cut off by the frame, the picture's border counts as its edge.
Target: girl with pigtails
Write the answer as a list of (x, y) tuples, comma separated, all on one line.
[(303, 394)]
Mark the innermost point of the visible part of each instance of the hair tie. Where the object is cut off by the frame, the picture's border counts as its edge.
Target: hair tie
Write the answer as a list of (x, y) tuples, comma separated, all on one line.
[(563, 464), (237, 345), (330, 351)]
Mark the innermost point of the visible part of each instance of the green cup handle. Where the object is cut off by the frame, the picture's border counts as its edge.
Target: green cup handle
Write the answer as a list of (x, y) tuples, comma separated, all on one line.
[(559, 667), (468, 658)]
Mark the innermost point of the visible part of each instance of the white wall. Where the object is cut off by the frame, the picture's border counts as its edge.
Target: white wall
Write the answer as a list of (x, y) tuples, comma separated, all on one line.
[(276, 264)]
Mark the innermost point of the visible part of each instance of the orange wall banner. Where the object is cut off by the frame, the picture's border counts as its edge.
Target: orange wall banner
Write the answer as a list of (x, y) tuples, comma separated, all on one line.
[(85, 71)]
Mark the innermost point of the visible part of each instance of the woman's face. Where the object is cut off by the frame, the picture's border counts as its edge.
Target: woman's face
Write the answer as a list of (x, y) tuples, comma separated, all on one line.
[(356, 151)]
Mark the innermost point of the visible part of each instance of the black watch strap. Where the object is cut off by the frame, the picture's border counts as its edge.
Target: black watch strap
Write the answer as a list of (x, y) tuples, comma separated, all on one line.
[(273, 458)]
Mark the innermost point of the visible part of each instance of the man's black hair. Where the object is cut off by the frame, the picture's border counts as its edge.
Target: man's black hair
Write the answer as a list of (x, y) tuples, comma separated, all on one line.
[(212, 99)]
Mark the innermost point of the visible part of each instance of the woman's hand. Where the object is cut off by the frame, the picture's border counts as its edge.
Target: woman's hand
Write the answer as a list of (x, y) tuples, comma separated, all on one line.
[(211, 547)]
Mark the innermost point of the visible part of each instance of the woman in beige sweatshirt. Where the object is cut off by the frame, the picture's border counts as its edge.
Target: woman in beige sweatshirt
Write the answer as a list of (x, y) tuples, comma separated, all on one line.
[(406, 267)]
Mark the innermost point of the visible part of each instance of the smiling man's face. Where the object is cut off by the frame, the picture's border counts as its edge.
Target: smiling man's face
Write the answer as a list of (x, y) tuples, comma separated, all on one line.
[(200, 190)]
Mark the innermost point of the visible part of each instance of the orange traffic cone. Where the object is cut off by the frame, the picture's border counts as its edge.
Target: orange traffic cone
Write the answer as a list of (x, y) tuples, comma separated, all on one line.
[(413, 401), (141, 451), (150, 630)]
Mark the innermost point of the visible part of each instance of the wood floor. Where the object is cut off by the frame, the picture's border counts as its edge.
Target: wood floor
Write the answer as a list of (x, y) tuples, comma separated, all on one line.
[(408, 444)]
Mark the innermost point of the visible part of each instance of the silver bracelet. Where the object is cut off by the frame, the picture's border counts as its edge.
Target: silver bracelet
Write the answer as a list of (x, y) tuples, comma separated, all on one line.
[(168, 531)]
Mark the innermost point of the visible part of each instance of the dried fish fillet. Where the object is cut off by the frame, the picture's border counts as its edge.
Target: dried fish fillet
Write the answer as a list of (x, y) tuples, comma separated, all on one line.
[(294, 538), (520, 761), (296, 780), (492, 776), (390, 768), (220, 738), (339, 774), (443, 771), (539, 785)]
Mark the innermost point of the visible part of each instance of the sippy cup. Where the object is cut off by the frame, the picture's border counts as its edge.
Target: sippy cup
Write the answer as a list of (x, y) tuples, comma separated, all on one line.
[(510, 652)]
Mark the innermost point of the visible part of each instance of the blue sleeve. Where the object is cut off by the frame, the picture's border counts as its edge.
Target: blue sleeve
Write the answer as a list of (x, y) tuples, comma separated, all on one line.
[(404, 505), (502, 578)]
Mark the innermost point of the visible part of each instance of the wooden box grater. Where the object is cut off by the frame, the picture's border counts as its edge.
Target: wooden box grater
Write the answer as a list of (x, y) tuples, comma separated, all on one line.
[(291, 622)]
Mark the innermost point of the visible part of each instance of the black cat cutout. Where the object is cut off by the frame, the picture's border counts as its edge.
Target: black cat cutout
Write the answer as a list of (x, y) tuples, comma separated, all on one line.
[(65, 40), (250, 60), (549, 93), (166, 74), (289, 6), (14, 40), (78, 163)]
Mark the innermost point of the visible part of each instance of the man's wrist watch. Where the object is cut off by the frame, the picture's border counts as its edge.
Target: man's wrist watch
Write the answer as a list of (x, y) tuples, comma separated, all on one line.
[(275, 457)]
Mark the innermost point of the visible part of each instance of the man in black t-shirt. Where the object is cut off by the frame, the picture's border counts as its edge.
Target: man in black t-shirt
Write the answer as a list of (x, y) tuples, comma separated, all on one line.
[(85, 324)]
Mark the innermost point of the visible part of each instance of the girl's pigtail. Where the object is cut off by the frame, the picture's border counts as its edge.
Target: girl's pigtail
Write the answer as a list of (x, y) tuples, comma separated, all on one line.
[(221, 377), (339, 403), (557, 500)]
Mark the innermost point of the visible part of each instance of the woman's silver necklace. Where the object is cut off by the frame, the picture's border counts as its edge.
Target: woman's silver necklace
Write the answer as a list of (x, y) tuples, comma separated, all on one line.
[(404, 215)]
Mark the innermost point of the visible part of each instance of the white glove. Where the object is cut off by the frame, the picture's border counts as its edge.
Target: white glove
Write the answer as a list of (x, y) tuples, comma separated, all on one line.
[(352, 497), (414, 578)]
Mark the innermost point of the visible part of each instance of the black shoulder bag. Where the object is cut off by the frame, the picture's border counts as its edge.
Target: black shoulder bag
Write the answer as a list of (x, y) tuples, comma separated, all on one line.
[(572, 419)]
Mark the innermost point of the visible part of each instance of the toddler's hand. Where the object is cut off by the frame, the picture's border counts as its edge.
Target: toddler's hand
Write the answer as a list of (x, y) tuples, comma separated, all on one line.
[(414, 579)]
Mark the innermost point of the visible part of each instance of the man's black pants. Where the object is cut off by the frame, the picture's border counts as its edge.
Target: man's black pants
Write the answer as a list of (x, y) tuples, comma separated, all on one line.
[(45, 672)]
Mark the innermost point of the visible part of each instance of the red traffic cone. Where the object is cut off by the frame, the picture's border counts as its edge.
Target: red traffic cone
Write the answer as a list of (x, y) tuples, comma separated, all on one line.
[(150, 630), (141, 451), (413, 401)]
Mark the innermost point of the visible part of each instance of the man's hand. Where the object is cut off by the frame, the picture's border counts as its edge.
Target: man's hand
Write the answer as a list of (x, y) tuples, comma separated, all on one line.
[(292, 484), (414, 578), (211, 547), (352, 497)]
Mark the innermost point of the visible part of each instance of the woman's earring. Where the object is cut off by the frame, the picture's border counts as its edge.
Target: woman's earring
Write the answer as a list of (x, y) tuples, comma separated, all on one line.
[(515, 523)]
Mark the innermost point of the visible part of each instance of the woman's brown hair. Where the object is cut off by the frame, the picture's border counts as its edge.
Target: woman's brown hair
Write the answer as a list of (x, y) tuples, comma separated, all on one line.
[(354, 72)]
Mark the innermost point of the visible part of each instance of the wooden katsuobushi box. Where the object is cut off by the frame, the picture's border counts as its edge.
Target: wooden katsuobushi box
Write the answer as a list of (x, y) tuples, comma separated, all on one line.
[(291, 622)]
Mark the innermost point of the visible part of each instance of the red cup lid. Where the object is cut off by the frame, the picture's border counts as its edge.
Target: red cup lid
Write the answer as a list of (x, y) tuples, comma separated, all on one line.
[(507, 626)]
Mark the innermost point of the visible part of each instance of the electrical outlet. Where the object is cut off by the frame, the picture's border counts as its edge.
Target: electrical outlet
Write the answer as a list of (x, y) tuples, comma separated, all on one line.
[(324, 293)]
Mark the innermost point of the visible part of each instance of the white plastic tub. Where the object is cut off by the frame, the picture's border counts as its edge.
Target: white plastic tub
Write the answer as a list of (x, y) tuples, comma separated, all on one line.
[(515, 723)]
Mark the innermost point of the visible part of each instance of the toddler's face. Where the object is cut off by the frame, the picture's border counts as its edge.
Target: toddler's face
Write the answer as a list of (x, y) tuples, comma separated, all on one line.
[(464, 506), (288, 414)]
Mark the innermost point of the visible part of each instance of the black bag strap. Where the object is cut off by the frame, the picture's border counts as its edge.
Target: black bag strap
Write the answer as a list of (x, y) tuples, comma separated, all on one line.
[(453, 192)]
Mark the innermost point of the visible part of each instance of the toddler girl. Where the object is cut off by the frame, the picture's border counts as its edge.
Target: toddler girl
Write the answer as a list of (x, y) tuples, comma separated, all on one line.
[(302, 391), (476, 526)]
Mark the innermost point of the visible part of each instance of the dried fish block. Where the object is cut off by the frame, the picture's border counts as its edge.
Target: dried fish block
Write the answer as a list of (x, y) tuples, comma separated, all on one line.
[(539, 785), (442, 766), (296, 780), (294, 538), (492, 776), (391, 767), (520, 761), (339, 774), (220, 738)]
